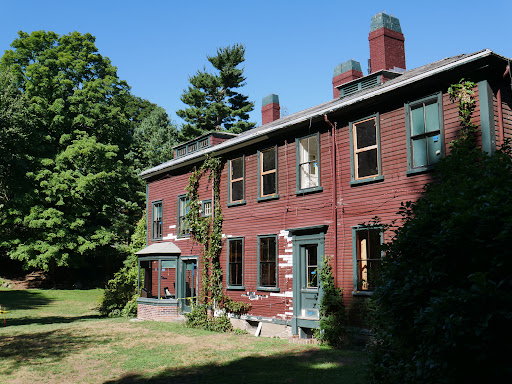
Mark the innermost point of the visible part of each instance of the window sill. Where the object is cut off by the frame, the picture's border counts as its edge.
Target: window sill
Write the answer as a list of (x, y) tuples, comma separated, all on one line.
[(237, 203), (157, 239), (268, 289), (369, 180), (235, 288), (265, 198), (419, 170), (308, 190), (362, 293)]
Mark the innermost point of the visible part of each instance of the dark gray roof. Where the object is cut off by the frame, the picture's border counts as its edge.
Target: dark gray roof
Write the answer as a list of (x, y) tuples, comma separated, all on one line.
[(260, 133)]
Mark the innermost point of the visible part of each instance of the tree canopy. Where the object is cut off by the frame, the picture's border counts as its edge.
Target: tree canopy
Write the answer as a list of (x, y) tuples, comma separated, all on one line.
[(69, 193), (213, 100)]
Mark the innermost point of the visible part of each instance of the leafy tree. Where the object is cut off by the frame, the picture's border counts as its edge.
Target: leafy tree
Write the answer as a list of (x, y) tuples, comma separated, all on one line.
[(154, 138), (214, 103), (77, 195), (444, 305)]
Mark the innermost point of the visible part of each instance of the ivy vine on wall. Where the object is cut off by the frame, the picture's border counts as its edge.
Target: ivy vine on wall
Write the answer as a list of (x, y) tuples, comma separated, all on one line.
[(208, 232)]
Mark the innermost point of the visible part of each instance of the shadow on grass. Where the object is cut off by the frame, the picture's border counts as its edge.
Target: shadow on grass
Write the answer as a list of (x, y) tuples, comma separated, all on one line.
[(312, 366), (40, 348), (23, 300), (12, 322)]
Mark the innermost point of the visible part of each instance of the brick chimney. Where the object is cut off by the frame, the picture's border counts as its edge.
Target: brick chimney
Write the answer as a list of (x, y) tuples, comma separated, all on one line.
[(343, 73), (270, 109), (387, 50)]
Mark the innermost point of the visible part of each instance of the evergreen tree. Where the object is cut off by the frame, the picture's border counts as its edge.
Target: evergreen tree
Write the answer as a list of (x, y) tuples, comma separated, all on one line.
[(154, 138), (75, 196), (214, 103)]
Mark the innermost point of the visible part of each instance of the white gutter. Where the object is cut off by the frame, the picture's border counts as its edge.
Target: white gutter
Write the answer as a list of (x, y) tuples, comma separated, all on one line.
[(261, 134)]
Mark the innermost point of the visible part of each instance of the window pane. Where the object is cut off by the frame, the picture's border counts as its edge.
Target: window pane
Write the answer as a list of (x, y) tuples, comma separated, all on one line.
[(268, 275), (366, 134), (418, 126), (367, 163), (311, 266), (269, 160), (237, 168), (432, 117), (368, 258), (269, 184), (237, 191), (235, 251), (309, 175), (235, 274), (433, 145), (419, 152)]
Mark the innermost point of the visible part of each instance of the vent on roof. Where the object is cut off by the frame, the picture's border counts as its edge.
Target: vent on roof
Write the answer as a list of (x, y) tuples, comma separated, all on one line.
[(359, 84)]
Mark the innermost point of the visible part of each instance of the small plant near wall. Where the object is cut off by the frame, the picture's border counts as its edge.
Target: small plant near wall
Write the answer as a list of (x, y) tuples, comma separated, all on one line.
[(333, 315), (208, 232)]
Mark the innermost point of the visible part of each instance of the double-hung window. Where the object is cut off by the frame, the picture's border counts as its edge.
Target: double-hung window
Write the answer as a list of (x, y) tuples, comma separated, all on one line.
[(367, 257), (267, 262), (267, 170), (207, 207), (156, 227), (308, 167), (235, 263), (236, 181), (183, 227), (424, 128), (365, 153)]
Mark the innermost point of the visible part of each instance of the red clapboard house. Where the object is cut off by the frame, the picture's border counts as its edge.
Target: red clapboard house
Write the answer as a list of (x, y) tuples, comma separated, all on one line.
[(297, 188)]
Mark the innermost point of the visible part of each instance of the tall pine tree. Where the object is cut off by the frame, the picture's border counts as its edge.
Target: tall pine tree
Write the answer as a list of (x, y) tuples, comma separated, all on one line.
[(213, 100)]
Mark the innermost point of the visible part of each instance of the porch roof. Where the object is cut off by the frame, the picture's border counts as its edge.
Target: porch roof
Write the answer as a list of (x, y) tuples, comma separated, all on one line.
[(166, 248)]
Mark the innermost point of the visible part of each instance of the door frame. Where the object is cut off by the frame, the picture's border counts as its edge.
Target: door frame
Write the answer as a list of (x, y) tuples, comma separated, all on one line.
[(181, 280), (300, 237)]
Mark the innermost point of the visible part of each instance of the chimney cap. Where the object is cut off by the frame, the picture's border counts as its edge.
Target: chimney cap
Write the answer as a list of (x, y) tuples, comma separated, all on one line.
[(347, 66), (270, 99), (383, 20)]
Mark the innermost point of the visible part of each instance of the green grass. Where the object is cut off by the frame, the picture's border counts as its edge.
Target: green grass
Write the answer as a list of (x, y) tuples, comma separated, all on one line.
[(57, 336)]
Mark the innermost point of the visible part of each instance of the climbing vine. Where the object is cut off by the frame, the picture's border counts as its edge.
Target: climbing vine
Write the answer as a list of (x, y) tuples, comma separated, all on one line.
[(208, 232), (462, 93)]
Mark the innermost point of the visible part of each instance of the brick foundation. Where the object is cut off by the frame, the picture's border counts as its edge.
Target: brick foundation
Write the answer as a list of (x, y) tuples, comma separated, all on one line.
[(157, 312)]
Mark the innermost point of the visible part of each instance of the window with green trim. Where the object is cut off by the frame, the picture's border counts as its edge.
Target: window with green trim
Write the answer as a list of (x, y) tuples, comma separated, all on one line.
[(183, 227), (365, 148), (156, 220), (424, 132), (267, 172), (267, 261), (308, 167), (236, 180), (235, 262), (367, 257), (206, 209)]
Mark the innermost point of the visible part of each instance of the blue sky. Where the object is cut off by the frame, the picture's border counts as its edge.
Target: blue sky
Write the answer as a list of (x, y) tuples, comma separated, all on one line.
[(292, 47)]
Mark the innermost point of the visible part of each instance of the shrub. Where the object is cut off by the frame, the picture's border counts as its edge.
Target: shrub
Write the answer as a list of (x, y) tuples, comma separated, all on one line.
[(120, 295), (199, 317), (333, 316)]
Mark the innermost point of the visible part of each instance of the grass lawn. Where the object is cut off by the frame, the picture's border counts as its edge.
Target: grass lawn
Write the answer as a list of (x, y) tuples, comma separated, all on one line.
[(57, 336)]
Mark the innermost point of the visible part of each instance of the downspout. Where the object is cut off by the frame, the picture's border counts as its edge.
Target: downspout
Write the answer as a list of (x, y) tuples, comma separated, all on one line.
[(500, 110), (334, 195)]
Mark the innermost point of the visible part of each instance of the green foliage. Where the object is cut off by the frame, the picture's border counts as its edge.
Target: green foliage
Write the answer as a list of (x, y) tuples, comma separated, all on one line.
[(208, 232), (199, 317), (213, 101), (120, 295), (444, 306), (153, 139), (74, 195), (333, 316)]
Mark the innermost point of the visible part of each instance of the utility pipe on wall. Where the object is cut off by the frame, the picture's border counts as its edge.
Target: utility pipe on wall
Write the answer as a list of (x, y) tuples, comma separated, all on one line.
[(500, 110), (334, 195)]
